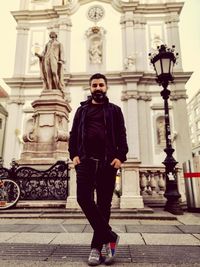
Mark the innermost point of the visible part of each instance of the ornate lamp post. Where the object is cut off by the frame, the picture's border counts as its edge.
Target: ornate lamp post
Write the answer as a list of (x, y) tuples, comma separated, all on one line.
[(163, 62)]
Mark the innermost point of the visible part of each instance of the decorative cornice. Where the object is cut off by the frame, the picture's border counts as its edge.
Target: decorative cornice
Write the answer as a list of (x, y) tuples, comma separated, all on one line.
[(118, 77), (120, 6), (135, 19), (17, 100), (134, 95), (176, 96), (172, 18), (33, 15), (23, 27)]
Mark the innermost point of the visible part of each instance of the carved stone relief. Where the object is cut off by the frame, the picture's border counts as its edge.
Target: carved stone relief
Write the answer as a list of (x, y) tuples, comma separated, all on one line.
[(95, 37)]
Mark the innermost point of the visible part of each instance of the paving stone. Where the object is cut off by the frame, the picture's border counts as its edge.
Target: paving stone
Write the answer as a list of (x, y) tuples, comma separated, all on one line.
[(131, 238), (160, 222), (170, 239), (4, 237), (119, 228), (116, 228), (197, 236), (40, 221), (37, 238), (189, 219), (10, 221), (152, 229), (74, 228), (193, 229), (72, 238), (48, 228), (17, 227), (87, 229), (124, 222), (165, 254)]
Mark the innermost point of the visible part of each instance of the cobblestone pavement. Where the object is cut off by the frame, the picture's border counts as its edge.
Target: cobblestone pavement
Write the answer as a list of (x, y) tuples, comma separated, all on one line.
[(132, 254), (41, 242)]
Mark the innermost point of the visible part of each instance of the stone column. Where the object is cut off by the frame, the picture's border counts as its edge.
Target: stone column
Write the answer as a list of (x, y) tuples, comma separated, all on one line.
[(71, 199), (130, 97), (13, 135), (182, 142), (181, 126), (140, 43), (128, 38), (24, 5), (65, 37), (131, 197), (173, 38), (145, 140), (21, 50)]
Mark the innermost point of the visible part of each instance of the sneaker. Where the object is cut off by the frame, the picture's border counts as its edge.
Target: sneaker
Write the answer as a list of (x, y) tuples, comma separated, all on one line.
[(95, 257), (111, 249)]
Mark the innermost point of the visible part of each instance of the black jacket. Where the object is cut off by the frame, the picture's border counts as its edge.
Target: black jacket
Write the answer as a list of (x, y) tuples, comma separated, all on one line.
[(116, 133)]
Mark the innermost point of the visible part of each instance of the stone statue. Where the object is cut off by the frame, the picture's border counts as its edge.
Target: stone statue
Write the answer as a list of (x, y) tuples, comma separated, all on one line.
[(95, 52), (51, 64), (129, 62)]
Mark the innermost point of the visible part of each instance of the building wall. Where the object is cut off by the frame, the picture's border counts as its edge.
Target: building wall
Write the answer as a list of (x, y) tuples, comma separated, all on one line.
[(130, 30)]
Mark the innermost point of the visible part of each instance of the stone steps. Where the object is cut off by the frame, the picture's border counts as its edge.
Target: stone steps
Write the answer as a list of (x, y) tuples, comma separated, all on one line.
[(62, 213)]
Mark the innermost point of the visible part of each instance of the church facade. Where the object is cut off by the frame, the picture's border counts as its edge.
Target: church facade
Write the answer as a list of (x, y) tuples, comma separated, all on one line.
[(113, 37)]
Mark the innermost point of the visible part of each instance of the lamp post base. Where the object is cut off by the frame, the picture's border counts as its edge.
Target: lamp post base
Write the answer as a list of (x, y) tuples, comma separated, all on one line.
[(173, 207)]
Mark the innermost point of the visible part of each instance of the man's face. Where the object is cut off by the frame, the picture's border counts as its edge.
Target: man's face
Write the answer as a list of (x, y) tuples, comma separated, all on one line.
[(98, 84), (98, 90)]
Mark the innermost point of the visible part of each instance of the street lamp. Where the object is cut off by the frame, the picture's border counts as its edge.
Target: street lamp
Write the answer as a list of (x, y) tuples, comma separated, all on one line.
[(163, 61)]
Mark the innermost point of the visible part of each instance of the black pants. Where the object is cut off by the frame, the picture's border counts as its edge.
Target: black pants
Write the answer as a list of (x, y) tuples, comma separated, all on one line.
[(94, 174)]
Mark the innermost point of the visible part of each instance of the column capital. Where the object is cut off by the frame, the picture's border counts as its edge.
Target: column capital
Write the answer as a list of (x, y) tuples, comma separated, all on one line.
[(172, 18), (131, 18), (129, 95), (134, 95), (23, 27), (63, 22), (178, 96), (17, 100)]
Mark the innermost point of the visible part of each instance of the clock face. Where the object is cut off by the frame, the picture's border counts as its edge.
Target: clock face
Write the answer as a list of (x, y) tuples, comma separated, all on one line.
[(95, 13)]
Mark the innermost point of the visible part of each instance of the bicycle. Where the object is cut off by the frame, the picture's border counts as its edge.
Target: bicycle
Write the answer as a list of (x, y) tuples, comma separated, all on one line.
[(9, 193)]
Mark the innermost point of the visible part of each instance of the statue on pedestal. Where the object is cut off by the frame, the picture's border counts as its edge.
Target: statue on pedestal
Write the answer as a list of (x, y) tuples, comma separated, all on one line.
[(51, 64)]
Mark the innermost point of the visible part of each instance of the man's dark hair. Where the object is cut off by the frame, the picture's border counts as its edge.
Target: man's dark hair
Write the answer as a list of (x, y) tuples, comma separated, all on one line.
[(98, 76)]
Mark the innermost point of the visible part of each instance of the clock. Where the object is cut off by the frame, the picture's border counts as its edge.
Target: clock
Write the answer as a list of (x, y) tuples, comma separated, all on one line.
[(95, 13)]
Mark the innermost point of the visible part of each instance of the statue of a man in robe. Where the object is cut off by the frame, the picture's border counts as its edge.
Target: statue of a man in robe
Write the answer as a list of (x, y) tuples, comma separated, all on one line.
[(51, 64)]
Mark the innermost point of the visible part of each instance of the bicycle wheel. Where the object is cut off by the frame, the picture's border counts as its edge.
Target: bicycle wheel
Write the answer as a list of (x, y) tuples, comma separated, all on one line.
[(9, 193)]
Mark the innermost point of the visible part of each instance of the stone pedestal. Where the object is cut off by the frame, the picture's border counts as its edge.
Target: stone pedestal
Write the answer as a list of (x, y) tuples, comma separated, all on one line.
[(46, 141), (71, 199), (130, 186)]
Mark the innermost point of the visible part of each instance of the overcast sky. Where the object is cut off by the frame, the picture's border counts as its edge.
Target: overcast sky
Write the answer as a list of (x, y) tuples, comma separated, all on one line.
[(189, 35)]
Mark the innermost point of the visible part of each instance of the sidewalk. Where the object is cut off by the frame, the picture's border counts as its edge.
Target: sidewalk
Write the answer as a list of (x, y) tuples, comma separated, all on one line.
[(168, 240)]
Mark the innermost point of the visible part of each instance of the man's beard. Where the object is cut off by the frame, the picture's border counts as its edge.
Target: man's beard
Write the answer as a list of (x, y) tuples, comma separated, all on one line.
[(99, 96)]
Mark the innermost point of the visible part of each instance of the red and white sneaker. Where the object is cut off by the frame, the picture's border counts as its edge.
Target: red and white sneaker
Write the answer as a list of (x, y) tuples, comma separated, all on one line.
[(111, 249)]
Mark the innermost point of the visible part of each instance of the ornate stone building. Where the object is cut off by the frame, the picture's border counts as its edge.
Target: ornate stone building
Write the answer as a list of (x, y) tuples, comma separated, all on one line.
[(113, 37)]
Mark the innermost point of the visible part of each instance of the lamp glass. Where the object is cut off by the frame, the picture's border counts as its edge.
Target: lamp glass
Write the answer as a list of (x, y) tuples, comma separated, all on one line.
[(157, 66), (171, 67), (166, 65)]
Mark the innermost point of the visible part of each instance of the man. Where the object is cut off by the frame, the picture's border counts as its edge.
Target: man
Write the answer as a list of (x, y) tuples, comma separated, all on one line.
[(97, 147), (51, 64)]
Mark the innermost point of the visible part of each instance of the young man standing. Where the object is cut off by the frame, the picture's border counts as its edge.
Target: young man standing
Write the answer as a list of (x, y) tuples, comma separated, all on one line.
[(97, 147)]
